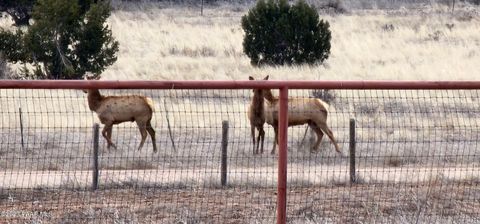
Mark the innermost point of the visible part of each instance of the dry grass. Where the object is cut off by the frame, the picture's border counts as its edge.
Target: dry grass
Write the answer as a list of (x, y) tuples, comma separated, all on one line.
[(404, 137), (161, 41), (394, 128), (167, 42), (337, 204), (238, 177)]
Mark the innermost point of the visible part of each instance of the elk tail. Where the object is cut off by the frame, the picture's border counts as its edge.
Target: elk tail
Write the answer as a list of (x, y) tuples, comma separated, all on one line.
[(150, 104)]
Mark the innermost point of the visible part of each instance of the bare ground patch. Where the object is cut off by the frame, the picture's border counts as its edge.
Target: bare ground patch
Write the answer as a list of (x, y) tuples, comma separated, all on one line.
[(385, 195), (344, 204)]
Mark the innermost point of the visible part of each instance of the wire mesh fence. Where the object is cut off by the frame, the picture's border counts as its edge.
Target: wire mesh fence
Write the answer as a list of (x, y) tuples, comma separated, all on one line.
[(416, 159)]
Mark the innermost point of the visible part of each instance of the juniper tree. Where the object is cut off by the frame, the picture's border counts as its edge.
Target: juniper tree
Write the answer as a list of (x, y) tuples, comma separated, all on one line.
[(277, 33), (63, 42)]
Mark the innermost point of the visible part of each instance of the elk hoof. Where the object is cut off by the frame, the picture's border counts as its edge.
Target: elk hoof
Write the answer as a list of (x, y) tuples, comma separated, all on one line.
[(111, 145)]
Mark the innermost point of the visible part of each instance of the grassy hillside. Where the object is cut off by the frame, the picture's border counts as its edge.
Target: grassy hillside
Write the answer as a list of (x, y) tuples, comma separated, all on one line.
[(417, 150), (164, 42), (372, 40)]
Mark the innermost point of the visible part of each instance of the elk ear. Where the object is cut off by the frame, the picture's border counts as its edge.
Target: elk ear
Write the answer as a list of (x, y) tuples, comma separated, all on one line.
[(85, 77), (250, 78), (90, 76), (266, 77)]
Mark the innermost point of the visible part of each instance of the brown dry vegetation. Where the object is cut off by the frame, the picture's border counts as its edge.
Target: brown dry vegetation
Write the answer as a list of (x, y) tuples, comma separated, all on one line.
[(406, 140), (337, 204)]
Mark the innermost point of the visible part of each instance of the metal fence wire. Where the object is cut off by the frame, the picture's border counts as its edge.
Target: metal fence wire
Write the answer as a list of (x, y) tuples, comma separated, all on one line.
[(416, 161)]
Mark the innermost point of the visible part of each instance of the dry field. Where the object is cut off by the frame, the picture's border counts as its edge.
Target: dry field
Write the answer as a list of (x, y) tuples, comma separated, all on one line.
[(340, 204), (423, 41), (427, 42), (417, 151), (407, 147)]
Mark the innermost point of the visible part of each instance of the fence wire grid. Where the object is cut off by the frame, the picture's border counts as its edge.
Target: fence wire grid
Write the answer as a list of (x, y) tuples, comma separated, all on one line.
[(417, 160)]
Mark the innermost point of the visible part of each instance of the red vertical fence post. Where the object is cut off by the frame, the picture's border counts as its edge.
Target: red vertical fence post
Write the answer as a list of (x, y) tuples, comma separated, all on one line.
[(282, 157)]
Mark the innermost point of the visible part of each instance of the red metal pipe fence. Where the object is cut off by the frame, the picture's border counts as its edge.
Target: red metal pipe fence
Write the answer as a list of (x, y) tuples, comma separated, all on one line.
[(108, 84), (282, 86), (282, 157)]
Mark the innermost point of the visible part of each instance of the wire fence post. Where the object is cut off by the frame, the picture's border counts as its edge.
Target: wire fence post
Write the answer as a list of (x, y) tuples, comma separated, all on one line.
[(224, 153), (282, 157), (353, 176), (95, 157), (21, 128)]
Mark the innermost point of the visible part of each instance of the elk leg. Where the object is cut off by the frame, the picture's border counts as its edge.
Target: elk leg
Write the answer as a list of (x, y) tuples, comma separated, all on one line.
[(304, 136), (151, 131), (143, 132), (262, 137), (107, 133), (319, 133), (275, 141), (104, 134), (324, 127), (252, 133), (258, 139)]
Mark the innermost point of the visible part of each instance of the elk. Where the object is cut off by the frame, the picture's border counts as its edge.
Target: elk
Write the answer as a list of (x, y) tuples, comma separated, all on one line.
[(256, 115), (301, 111), (117, 109)]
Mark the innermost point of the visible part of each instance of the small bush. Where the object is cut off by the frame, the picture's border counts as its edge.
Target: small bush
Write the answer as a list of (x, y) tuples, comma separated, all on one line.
[(327, 95), (64, 42), (277, 34), (475, 2), (388, 28), (331, 6), (4, 70)]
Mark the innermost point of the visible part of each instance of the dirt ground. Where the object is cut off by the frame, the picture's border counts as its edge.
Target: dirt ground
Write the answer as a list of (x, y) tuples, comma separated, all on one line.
[(322, 175), (435, 202)]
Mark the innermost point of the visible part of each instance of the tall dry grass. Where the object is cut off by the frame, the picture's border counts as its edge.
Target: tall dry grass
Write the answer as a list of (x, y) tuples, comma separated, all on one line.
[(165, 42), (373, 40), (403, 137)]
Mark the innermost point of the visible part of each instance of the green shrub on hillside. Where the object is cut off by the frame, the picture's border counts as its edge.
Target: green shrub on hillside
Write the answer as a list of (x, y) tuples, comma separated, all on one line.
[(277, 33), (63, 42)]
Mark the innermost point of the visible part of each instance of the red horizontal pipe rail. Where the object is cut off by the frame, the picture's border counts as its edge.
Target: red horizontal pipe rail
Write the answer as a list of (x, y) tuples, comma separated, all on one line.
[(243, 84), (246, 84)]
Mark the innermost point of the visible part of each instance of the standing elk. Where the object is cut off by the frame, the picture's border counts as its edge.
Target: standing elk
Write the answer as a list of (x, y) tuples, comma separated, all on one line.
[(117, 109), (301, 111), (256, 115)]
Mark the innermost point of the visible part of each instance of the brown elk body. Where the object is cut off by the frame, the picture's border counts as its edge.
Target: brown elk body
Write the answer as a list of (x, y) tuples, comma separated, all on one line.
[(301, 111), (117, 109), (256, 115)]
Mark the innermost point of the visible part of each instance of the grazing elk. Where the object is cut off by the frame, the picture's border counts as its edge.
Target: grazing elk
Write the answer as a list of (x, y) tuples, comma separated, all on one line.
[(300, 111), (117, 109), (256, 115)]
